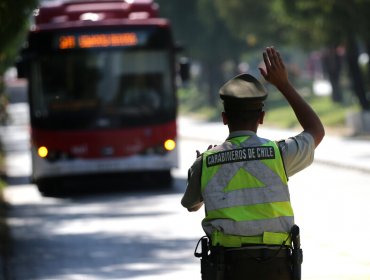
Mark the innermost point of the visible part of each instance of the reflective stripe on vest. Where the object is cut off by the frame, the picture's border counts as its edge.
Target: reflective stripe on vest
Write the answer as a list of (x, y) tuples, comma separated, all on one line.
[(267, 238), (244, 187)]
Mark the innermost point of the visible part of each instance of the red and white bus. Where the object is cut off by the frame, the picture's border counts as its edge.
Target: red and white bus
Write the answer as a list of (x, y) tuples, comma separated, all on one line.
[(102, 93)]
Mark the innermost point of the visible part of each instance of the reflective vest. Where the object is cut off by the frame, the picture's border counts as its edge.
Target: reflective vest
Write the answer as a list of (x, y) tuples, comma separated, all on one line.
[(245, 191)]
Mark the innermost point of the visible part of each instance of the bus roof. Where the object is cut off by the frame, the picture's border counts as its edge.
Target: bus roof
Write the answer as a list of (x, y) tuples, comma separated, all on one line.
[(58, 13)]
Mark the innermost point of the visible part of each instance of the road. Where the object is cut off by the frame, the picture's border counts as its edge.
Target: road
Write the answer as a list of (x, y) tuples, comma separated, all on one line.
[(143, 235)]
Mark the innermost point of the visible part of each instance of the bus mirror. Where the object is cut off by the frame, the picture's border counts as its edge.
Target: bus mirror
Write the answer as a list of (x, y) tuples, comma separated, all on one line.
[(179, 47), (184, 69), (22, 68)]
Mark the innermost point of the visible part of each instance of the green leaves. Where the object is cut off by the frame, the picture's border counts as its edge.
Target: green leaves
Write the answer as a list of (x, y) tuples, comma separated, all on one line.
[(14, 21)]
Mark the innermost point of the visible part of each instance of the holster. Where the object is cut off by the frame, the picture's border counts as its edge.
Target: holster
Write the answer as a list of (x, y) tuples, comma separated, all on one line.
[(297, 253), (297, 259), (211, 260)]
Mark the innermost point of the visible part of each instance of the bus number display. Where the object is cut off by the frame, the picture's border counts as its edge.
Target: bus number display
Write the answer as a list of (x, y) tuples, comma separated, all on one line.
[(87, 41)]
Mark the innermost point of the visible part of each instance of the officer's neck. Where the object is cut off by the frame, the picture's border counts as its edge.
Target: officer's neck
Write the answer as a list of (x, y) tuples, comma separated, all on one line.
[(249, 127)]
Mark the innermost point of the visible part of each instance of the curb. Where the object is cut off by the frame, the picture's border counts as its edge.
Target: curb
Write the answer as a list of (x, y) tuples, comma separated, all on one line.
[(4, 239)]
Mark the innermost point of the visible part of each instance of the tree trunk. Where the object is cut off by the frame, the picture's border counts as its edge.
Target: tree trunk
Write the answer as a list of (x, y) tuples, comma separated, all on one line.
[(332, 65), (214, 81), (368, 64), (355, 72)]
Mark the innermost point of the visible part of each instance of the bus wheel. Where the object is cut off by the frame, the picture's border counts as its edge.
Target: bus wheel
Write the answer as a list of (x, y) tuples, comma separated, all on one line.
[(165, 179), (46, 188)]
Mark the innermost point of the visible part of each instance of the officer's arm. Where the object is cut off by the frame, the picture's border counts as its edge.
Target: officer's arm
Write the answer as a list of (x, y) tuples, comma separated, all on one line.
[(277, 75), (192, 199), (195, 207)]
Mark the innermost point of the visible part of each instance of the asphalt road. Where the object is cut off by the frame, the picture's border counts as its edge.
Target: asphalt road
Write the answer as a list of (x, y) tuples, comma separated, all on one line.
[(148, 235)]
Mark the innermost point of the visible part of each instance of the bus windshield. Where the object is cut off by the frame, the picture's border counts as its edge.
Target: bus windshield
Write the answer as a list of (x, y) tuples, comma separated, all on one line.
[(101, 88)]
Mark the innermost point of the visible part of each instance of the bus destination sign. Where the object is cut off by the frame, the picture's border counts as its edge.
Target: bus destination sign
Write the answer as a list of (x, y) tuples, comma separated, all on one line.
[(99, 40)]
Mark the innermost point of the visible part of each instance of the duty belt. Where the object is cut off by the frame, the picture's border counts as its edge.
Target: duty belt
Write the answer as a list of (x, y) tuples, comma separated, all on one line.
[(259, 254), (267, 238)]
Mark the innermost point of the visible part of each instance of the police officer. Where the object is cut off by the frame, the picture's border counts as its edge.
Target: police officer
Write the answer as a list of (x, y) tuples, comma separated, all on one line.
[(243, 181)]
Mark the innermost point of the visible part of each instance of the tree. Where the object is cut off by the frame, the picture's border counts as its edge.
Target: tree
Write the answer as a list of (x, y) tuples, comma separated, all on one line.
[(14, 17), (310, 23), (14, 21), (321, 23), (206, 37), (253, 21)]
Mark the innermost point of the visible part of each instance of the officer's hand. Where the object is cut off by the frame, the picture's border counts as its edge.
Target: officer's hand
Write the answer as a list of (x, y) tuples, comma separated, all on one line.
[(198, 153), (275, 72), (209, 147)]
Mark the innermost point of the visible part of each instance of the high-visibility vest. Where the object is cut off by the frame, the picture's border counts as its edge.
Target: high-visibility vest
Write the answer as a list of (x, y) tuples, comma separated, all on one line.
[(245, 190)]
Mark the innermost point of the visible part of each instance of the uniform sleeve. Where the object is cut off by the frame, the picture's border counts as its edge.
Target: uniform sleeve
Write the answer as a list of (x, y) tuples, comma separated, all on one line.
[(192, 196), (297, 152)]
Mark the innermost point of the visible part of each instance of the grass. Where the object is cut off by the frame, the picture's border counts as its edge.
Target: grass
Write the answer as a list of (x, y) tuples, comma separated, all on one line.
[(333, 115), (278, 112)]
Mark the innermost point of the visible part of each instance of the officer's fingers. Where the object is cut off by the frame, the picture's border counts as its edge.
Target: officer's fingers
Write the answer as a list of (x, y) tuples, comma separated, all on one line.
[(280, 60), (198, 153), (271, 52), (263, 73), (209, 147), (266, 61)]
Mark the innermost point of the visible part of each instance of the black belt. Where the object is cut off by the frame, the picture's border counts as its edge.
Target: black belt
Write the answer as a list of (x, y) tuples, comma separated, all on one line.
[(257, 253)]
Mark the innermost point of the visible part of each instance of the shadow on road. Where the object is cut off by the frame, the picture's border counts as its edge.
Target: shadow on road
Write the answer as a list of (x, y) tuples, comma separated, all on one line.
[(110, 235), (82, 190), (18, 180)]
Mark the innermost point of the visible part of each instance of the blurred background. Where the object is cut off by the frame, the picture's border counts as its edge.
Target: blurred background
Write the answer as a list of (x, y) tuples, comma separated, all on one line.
[(144, 233)]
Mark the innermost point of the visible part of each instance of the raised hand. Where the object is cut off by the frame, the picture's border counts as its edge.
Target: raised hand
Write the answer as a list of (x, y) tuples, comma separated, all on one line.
[(275, 72)]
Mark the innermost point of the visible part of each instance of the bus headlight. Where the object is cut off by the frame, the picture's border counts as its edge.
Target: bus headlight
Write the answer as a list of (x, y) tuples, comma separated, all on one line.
[(42, 152), (169, 144)]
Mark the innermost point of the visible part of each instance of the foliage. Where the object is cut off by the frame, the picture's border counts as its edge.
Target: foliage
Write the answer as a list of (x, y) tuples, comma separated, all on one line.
[(331, 24), (192, 102), (215, 32), (312, 24), (253, 21), (280, 114), (14, 20), (315, 22), (197, 25), (207, 39)]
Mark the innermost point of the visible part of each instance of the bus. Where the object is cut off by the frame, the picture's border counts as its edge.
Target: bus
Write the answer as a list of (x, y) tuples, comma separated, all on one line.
[(102, 93)]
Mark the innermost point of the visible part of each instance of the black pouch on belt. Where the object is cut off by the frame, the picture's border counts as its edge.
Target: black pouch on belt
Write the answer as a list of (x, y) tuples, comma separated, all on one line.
[(297, 253), (208, 263)]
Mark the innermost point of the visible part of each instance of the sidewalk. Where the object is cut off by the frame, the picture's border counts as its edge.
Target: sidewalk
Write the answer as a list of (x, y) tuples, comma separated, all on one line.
[(345, 152)]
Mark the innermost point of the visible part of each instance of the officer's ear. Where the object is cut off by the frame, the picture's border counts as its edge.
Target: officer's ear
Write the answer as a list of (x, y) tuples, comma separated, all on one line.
[(224, 118), (261, 117)]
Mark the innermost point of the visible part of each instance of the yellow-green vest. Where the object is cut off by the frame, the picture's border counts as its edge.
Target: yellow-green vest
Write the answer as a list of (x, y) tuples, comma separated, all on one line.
[(244, 187)]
